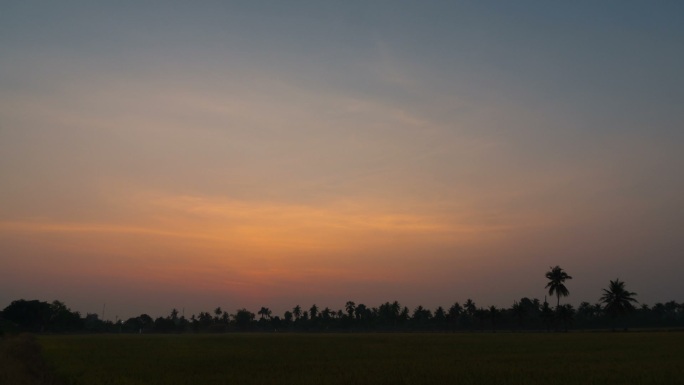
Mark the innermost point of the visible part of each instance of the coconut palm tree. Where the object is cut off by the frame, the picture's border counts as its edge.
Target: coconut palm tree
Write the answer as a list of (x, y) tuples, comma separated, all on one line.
[(470, 307), (313, 311), (217, 312), (454, 313), (265, 312), (350, 306), (360, 311), (617, 299), (287, 316), (556, 277)]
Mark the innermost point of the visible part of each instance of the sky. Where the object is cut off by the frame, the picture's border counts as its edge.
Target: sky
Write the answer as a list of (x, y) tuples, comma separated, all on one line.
[(190, 155)]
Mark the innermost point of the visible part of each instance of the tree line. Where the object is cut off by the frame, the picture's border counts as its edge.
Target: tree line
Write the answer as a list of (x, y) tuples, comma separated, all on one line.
[(615, 310)]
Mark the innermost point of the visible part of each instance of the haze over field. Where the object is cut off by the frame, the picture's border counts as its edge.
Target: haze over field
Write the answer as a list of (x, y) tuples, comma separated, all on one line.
[(257, 153)]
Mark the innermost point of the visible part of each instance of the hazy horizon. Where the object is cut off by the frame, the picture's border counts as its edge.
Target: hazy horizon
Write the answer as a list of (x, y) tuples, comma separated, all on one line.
[(246, 154)]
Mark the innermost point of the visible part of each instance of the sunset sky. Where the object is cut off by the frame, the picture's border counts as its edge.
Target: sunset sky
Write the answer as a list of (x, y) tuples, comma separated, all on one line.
[(272, 153)]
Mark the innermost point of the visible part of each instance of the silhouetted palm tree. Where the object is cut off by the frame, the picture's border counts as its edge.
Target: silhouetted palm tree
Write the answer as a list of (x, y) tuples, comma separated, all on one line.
[(326, 314), (360, 311), (556, 277), (440, 318), (313, 311), (617, 299), (287, 316), (470, 307), (265, 312), (421, 316), (404, 315), (454, 312), (218, 313), (297, 312), (350, 306), (243, 318)]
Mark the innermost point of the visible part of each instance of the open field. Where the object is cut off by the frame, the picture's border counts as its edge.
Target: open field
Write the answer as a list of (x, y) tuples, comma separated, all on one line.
[(22, 362), (501, 358)]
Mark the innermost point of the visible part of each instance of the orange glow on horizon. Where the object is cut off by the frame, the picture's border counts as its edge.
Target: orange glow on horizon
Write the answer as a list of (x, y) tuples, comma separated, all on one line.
[(265, 227), (219, 244)]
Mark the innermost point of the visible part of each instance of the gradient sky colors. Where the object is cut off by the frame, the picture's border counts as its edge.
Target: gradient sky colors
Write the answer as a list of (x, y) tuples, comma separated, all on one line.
[(245, 154)]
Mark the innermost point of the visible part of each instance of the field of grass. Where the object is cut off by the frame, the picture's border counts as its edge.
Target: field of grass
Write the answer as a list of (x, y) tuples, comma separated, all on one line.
[(501, 358), (22, 362)]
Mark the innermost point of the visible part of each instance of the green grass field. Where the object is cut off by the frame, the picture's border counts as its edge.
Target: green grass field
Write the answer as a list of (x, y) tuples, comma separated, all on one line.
[(501, 358)]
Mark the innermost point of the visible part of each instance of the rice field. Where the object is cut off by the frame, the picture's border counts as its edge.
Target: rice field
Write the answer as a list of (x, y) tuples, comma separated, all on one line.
[(496, 358)]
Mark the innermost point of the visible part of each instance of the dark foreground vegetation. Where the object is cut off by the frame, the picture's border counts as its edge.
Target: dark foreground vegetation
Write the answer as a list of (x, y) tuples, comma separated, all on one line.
[(368, 358), (80, 350), (525, 315), (615, 310), (22, 362)]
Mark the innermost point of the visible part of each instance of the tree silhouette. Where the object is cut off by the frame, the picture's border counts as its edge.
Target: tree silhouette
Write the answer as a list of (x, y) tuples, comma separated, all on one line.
[(585, 312), (566, 314), (204, 319), (287, 316), (454, 312), (313, 312), (519, 312), (225, 318), (276, 323), (265, 312), (404, 315), (37, 316), (440, 318), (617, 299), (243, 318), (468, 314), (481, 315), (494, 316), (421, 317), (557, 277), (470, 307), (350, 307), (546, 315), (62, 318)]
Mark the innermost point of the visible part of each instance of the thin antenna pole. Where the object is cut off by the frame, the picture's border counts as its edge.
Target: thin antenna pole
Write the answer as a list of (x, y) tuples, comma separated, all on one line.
[(103, 309)]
